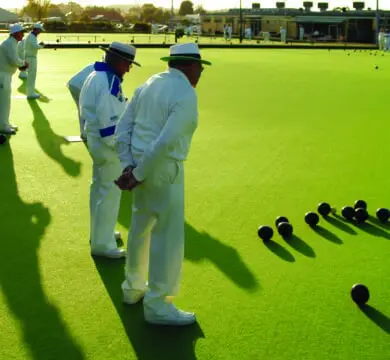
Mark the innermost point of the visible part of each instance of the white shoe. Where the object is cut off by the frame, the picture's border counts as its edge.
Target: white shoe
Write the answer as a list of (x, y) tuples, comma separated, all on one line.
[(117, 253), (131, 297), (15, 127), (33, 96), (168, 314), (117, 235)]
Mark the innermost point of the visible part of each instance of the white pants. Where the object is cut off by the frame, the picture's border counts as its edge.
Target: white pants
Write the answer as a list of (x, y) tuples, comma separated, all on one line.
[(75, 92), (5, 99), (156, 237), (31, 75), (105, 196)]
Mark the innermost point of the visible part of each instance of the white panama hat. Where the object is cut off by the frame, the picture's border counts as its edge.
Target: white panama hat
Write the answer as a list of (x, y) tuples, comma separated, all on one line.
[(124, 51), (38, 26), (15, 28), (188, 51)]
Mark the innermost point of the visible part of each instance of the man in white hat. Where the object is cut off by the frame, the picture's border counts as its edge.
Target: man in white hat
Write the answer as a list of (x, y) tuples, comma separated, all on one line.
[(101, 104), (9, 63), (153, 138), (31, 48)]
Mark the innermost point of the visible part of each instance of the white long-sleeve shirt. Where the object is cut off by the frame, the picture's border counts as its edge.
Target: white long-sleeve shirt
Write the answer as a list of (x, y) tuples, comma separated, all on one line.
[(158, 123), (31, 45), (101, 103), (76, 83), (21, 49), (9, 59)]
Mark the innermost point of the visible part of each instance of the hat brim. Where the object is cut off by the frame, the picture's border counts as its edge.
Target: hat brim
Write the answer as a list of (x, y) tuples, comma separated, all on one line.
[(122, 57), (188, 58)]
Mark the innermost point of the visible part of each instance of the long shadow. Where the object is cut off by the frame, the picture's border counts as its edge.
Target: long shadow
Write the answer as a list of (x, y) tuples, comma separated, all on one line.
[(377, 317), (339, 222), (50, 142), (326, 234), (22, 226), (279, 251), (373, 230), (373, 220), (299, 245), (200, 247), (23, 90), (149, 342)]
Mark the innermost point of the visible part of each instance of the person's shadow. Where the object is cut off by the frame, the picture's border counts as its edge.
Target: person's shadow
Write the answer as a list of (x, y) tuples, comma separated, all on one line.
[(50, 142), (23, 90), (22, 224), (169, 343)]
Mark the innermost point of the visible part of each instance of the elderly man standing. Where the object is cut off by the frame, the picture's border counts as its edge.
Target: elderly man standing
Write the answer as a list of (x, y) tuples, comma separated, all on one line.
[(101, 104), (9, 63), (31, 48), (153, 140), (22, 74)]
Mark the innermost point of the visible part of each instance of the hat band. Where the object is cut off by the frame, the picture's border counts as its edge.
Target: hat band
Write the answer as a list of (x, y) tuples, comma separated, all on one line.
[(195, 56), (122, 53)]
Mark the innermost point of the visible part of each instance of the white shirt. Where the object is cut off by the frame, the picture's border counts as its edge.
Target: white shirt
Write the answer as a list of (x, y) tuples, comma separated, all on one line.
[(77, 81), (158, 123), (9, 59), (31, 45), (21, 49), (101, 103)]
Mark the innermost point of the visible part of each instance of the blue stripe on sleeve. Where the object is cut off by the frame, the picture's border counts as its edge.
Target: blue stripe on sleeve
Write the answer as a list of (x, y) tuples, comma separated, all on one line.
[(108, 131)]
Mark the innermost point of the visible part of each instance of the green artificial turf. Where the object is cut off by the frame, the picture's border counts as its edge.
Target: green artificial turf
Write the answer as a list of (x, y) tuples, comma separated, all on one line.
[(279, 131)]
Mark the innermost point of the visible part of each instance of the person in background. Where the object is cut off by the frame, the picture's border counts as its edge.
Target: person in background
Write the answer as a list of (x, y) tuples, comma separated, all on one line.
[(9, 63), (31, 48)]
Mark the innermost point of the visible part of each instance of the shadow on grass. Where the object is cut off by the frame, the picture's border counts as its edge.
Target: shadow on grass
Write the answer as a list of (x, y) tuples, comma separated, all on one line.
[(377, 317), (373, 230), (149, 342), (339, 222), (373, 220), (299, 245), (326, 234), (23, 225), (280, 251), (200, 246), (51, 143), (23, 90)]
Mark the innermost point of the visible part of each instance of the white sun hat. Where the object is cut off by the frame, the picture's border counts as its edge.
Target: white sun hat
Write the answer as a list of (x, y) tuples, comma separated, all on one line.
[(15, 28), (124, 51), (188, 51), (38, 26)]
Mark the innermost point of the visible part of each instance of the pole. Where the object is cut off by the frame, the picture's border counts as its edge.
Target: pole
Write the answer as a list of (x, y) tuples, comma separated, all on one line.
[(377, 19), (172, 15), (240, 21)]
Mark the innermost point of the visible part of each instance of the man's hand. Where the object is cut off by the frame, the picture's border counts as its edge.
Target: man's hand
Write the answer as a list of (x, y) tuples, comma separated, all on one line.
[(127, 181)]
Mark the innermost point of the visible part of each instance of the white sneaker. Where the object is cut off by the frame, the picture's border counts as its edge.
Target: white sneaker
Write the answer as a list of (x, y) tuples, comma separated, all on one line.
[(117, 253), (131, 297), (15, 127), (170, 315)]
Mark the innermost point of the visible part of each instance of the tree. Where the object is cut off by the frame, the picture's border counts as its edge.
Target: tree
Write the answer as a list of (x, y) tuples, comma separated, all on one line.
[(37, 9), (200, 10), (186, 8), (55, 11)]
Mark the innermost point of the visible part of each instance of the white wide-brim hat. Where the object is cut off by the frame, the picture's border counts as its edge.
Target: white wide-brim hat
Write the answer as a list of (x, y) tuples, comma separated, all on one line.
[(15, 28), (38, 26), (188, 51), (124, 51)]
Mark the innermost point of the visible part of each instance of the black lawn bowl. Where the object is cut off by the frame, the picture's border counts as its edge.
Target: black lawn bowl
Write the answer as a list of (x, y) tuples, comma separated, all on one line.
[(348, 212), (360, 294), (285, 229), (311, 218), (360, 204), (361, 215), (383, 214), (265, 232), (324, 209), (280, 219)]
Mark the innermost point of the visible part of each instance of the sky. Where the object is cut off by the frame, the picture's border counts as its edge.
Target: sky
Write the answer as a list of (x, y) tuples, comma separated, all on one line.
[(207, 4)]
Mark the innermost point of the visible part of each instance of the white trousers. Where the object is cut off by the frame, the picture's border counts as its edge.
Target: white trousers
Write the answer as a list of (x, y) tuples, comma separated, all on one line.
[(105, 196), (155, 248), (5, 99), (31, 75)]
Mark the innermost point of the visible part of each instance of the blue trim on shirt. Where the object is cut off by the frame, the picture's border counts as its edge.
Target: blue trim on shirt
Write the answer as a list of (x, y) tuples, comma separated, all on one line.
[(114, 80), (108, 131)]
